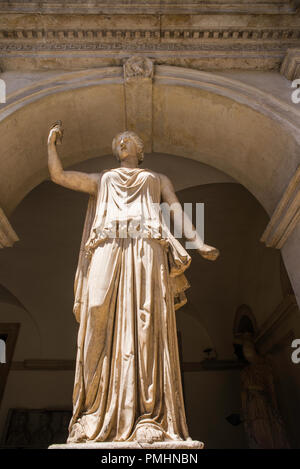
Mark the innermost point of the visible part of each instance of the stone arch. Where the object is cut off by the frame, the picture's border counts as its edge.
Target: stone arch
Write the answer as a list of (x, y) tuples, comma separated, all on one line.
[(247, 133), (210, 118)]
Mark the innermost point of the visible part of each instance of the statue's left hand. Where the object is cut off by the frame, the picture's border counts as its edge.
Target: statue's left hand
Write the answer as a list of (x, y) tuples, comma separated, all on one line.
[(209, 252)]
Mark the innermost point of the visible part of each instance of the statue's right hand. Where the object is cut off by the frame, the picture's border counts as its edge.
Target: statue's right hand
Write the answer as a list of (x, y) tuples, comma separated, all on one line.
[(56, 133)]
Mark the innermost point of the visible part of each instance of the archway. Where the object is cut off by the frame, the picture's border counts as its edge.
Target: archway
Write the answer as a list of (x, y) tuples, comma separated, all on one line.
[(242, 130), (197, 117), (41, 270)]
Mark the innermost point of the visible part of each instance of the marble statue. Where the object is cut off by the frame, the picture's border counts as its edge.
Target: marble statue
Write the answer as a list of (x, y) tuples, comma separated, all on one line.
[(127, 381), (262, 420)]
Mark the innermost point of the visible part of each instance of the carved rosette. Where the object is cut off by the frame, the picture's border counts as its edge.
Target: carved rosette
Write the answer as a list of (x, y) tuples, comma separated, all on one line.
[(138, 67)]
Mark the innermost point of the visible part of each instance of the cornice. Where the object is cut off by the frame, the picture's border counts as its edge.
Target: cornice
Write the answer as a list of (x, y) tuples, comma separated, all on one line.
[(150, 7), (186, 36), (207, 42), (205, 49)]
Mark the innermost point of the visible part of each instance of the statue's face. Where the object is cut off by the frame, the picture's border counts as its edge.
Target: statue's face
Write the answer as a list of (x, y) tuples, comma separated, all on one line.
[(249, 351), (126, 147)]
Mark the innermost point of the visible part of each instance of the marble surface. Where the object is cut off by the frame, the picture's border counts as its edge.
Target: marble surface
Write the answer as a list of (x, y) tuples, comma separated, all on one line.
[(183, 444)]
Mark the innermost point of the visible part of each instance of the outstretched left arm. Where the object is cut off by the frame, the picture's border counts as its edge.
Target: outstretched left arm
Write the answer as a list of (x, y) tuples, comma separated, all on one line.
[(190, 233)]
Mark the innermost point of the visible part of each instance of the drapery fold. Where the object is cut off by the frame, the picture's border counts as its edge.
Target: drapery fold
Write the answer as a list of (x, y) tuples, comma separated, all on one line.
[(126, 292)]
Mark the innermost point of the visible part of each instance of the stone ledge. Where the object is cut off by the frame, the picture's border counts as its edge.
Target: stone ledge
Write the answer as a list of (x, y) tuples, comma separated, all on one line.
[(180, 444), (150, 7)]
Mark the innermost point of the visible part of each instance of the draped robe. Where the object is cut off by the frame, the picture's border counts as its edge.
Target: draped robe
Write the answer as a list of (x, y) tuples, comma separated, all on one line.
[(128, 283)]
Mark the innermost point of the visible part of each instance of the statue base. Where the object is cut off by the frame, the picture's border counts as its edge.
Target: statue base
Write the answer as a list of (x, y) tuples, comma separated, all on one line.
[(180, 444)]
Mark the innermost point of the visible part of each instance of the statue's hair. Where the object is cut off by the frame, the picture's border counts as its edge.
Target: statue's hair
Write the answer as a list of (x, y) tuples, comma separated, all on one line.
[(137, 140)]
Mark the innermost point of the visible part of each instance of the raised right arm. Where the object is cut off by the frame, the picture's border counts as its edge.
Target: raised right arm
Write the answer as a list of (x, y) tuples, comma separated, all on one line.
[(75, 180)]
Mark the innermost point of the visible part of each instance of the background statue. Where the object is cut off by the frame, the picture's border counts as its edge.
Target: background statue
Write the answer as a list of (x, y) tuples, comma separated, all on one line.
[(130, 272), (263, 423)]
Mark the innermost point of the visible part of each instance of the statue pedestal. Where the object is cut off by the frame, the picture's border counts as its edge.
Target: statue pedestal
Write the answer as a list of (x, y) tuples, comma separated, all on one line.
[(180, 444)]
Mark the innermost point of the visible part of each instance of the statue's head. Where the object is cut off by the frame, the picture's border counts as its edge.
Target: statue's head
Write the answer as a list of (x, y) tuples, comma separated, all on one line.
[(244, 347), (249, 349), (128, 143)]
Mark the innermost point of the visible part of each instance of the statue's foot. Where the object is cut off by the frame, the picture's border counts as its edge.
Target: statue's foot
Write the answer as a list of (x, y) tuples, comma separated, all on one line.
[(76, 434), (149, 434)]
